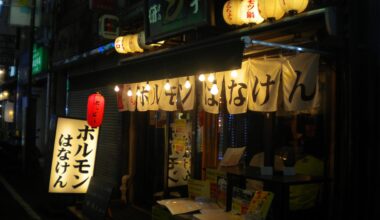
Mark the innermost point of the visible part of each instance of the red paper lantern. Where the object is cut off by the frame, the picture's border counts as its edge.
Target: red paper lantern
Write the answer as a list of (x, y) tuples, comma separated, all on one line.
[(95, 110)]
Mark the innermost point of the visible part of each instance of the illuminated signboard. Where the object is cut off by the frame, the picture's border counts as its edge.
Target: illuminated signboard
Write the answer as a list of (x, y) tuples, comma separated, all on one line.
[(168, 18), (73, 156), (39, 62)]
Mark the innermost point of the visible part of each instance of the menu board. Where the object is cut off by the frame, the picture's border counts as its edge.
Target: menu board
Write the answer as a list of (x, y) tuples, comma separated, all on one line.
[(180, 153), (260, 203)]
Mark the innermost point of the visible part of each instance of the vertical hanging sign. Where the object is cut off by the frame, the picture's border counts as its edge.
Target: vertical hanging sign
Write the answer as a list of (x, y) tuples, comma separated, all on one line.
[(187, 92), (236, 89), (168, 99), (179, 154), (264, 83), (73, 156), (300, 82)]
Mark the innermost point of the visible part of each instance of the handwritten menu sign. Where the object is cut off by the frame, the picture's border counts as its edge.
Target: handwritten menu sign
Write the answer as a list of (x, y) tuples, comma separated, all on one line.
[(180, 156), (97, 199)]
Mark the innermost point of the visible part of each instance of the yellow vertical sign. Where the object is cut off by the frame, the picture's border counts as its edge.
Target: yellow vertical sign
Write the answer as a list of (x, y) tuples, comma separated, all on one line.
[(73, 156)]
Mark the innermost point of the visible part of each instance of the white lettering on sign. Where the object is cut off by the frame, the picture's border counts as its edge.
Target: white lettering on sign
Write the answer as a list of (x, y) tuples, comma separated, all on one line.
[(195, 5), (154, 13)]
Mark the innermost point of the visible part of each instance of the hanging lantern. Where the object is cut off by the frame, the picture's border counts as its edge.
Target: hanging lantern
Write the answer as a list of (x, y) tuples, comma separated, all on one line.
[(119, 46), (133, 44), (231, 12), (249, 12), (95, 110), (126, 45), (271, 9), (294, 6)]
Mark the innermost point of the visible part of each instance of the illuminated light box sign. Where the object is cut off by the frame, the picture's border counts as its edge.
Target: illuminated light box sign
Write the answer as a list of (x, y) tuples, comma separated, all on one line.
[(168, 18), (20, 13), (73, 156), (39, 62)]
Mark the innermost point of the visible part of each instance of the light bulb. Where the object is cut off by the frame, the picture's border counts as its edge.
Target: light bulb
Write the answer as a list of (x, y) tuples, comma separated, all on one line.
[(214, 89), (211, 78), (167, 86), (117, 89), (129, 93), (138, 93), (234, 74), (147, 87), (187, 84), (201, 77), (2, 71), (5, 94)]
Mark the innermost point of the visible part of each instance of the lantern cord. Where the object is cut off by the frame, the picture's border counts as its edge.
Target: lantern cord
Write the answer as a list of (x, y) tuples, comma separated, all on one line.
[(250, 42)]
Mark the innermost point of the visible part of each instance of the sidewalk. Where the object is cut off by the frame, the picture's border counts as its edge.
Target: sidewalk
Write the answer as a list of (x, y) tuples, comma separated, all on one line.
[(32, 188)]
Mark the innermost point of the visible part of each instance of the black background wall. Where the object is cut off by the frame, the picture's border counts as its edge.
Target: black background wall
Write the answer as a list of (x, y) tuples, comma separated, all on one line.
[(357, 164)]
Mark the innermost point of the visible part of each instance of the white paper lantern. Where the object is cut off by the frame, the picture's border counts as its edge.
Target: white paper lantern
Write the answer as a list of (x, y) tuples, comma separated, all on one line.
[(294, 6), (119, 47), (134, 44), (231, 12), (271, 9), (126, 45), (249, 12)]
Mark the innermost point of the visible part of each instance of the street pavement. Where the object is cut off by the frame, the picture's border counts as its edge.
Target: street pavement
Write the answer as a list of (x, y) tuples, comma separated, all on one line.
[(24, 195), (9, 207)]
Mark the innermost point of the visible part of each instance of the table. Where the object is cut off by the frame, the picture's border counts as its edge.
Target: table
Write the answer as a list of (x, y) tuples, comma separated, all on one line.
[(277, 183)]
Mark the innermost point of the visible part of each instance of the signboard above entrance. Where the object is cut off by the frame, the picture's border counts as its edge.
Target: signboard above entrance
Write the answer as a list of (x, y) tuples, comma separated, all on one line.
[(168, 18)]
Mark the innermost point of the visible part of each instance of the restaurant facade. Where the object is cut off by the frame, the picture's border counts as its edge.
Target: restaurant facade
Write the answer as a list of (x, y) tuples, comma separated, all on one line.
[(215, 84)]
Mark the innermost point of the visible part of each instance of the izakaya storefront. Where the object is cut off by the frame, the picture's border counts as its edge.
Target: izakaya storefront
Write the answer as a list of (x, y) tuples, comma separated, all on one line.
[(280, 104), (176, 112)]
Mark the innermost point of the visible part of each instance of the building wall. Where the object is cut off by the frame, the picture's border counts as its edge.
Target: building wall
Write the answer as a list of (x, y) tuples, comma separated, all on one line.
[(108, 159)]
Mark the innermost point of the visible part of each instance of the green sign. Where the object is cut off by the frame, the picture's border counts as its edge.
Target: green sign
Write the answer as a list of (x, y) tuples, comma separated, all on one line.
[(168, 18), (39, 63)]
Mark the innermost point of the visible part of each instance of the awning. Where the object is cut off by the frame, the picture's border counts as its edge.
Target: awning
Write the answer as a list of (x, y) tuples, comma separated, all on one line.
[(167, 63), (222, 52)]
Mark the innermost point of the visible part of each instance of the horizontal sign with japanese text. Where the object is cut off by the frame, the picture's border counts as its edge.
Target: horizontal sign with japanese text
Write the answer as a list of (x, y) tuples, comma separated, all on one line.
[(170, 17), (290, 84)]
